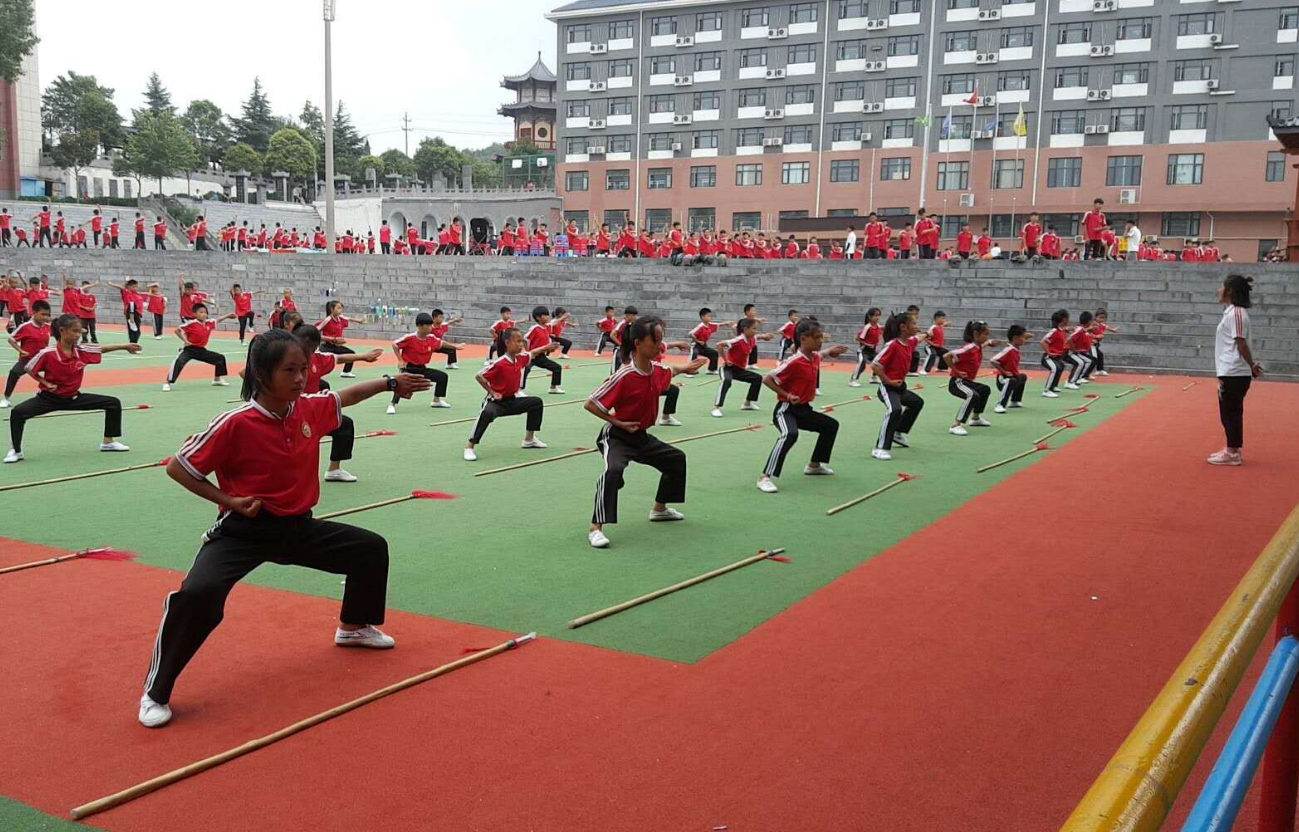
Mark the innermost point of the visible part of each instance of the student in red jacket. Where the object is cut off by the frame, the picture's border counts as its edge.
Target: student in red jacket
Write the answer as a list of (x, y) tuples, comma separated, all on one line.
[(964, 364), (603, 241), (927, 235), (28, 338), (1050, 244), (1094, 223), (194, 335), (1030, 237), (906, 239), (1055, 344), (965, 242), (1010, 381), (901, 406), (985, 244), (875, 241), (502, 379)]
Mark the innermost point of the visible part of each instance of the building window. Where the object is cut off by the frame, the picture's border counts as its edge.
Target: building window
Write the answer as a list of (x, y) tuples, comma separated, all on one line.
[(1074, 33), (1275, 166), (663, 26), (1135, 28), (1284, 66), (112, 189), (663, 65), (1289, 18), (660, 179), (900, 88), (841, 212), (1132, 73), (579, 71), (708, 101), (749, 137), (620, 106), (1189, 117), (83, 188), (753, 18), (746, 220), (1066, 225), (796, 173), (904, 6), (579, 109), (847, 131), (753, 97), (620, 144), (662, 103), (951, 226), (753, 57), (750, 174), (1181, 224), (1020, 79), (1064, 173), (803, 12), (1071, 76), (966, 41), (798, 134), (850, 91), (1204, 23), (706, 140), (903, 45), (99, 187), (703, 176), (1128, 119), (582, 219), (1001, 226), (621, 69), (1200, 69), (1281, 109), (962, 83), (1186, 169), (1266, 247), (617, 180), (1008, 174), (699, 220), (126, 188), (852, 9), (620, 30), (850, 50), (616, 218), (577, 180), (1016, 36), (661, 141), (803, 53), (1123, 171), (658, 220), (577, 145), (800, 94), (708, 22), (1068, 122), (845, 170), (581, 33), (895, 169), (957, 127), (706, 61), (953, 176), (962, 4), (1006, 123), (900, 128)]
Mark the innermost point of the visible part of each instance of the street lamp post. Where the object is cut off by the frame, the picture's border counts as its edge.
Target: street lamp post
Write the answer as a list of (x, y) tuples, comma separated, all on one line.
[(329, 130)]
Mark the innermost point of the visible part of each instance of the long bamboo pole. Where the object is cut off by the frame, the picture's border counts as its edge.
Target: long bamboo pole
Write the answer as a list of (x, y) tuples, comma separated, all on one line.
[(1128, 392), (659, 593), (1011, 459), (87, 476), (863, 498), (1063, 427), (833, 405), (141, 789)]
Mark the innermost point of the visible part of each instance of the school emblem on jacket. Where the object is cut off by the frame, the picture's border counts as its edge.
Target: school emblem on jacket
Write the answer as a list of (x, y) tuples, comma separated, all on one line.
[(306, 430)]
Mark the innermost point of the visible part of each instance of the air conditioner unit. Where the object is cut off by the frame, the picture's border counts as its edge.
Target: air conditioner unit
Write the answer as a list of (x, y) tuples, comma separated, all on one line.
[(876, 66), (596, 124), (775, 73), (773, 114), (878, 23), (980, 134), (967, 200), (595, 150), (873, 107), (987, 101), (1214, 40), (1102, 128), (598, 86), (1128, 196), (676, 147), (1099, 51), (1098, 95), (865, 137), (1211, 84), (1090, 129), (777, 34), (682, 118), (599, 48), (989, 14), (986, 58), (683, 81), (1078, 238), (685, 40), (773, 142), (1104, 5)]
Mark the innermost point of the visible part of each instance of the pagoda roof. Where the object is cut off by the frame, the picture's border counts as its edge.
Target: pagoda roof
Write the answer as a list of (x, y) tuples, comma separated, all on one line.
[(538, 72)]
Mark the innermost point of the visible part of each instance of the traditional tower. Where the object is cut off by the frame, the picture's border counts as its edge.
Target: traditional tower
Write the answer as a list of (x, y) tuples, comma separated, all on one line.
[(534, 108)]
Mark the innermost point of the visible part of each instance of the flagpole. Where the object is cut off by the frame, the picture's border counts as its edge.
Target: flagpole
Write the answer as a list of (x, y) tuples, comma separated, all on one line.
[(929, 102), (996, 129)]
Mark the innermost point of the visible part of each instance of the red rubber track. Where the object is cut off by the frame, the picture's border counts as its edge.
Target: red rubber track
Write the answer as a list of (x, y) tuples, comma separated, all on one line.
[(964, 679)]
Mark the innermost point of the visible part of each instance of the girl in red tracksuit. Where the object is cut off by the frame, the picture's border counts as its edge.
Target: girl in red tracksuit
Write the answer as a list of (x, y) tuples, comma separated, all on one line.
[(964, 363), (868, 341), (1055, 344), (901, 406)]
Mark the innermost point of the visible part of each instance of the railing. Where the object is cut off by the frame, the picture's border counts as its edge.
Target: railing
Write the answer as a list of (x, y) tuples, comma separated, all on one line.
[(1142, 780)]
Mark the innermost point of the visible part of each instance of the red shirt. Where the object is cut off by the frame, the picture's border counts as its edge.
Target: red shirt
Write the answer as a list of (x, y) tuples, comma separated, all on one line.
[(1191, 255), (440, 331), (44, 217), (1031, 234), (787, 331), (538, 336), (114, 229), (417, 350), (160, 229), (332, 327), (557, 328), (501, 325), (1006, 362), (875, 235), (187, 301), (738, 349), (1055, 342), (31, 339), (455, 234), (64, 371), (703, 332), (797, 376), (157, 303), (412, 234), (626, 240), (895, 357), (964, 242), (1051, 244), (985, 245), (385, 234), (791, 251), (1093, 222), (937, 335), (1098, 332), (602, 241), (507, 239), (904, 240), (254, 453), (132, 302), (5, 219), (633, 396), (72, 301), (505, 374), (813, 252), (288, 305), (966, 361), (96, 223), (322, 364), (1080, 340), (869, 335), (197, 333), (618, 329), (139, 225), (927, 232), (243, 303), (606, 324), (34, 295)]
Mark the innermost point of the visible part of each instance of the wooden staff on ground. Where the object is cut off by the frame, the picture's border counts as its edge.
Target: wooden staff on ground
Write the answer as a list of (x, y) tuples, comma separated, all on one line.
[(414, 495), (863, 498), (72, 477), (1008, 460)]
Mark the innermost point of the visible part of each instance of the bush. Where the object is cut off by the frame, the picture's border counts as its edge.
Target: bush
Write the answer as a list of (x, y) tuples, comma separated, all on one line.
[(120, 202)]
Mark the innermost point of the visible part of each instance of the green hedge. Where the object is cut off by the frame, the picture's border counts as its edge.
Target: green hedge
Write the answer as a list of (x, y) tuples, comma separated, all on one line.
[(120, 202)]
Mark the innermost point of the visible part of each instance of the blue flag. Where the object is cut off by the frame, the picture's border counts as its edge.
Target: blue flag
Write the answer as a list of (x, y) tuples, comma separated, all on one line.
[(947, 126)]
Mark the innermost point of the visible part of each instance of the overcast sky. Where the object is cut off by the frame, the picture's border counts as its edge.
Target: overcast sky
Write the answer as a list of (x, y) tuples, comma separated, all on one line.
[(440, 61)]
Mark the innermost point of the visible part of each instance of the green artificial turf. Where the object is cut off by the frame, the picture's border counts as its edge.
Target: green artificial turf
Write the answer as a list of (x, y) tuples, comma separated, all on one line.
[(512, 552), (15, 816)]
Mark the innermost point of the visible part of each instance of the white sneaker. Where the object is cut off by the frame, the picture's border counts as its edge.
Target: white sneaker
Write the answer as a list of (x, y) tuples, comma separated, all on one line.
[(153, 714), (367, 636), (880, 453), (875, 379), (912, 375), (392, 408), (14, 456), (818, 391), (668, 513), (597, 539), (1050, 394), (339, 475), (443, 403), (453, 366), (557, 390), (669, 422), (854, 383), (716, 413), (113, 446), (980, 423), (166, 388), (767, 486), (157, 337), (958, 430), (819, 471), (901, 439), (710, 372), (1071, 386), (923, 373), (748, 406), (533, 443), (999, 409), (347, 375), (1101, 373), (1084, 380), (1016, 404), (220, 382), (470, 456), (4, 403)]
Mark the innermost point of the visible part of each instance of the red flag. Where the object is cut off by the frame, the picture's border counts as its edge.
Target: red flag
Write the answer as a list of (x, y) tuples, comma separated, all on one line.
[(973, 100)]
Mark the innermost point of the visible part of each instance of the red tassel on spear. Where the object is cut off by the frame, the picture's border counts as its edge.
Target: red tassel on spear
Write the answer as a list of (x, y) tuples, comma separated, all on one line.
[(102, 553)]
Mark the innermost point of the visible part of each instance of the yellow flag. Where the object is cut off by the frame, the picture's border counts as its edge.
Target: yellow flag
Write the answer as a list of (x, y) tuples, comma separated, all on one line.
[(1021, 123)]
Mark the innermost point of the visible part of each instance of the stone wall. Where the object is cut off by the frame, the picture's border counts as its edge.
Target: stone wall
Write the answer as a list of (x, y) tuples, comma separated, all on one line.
[(1166, 313)]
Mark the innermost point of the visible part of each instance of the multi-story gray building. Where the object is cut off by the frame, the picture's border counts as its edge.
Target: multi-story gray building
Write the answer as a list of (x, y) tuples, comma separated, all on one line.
[(735, 113)]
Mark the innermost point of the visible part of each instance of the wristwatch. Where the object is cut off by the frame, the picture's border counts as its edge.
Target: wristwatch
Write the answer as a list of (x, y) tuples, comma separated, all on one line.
[(392, 383)]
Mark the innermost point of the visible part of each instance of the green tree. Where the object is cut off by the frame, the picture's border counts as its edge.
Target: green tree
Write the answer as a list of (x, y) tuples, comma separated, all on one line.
[(17, 38), (76, 151), (257, 124), (434, 156), (291, 151), (160, 148), (207, 126), (375, 162), (394, 161), (156, 97), (241, 157), (75, 103)]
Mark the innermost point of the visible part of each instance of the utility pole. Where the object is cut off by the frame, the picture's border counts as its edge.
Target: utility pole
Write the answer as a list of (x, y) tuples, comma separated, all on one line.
[(329, 130), (405, 126)]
